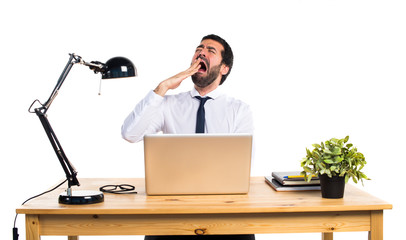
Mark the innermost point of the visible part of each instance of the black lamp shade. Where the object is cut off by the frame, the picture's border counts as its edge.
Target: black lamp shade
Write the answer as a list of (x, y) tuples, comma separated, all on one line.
[(119, 67)]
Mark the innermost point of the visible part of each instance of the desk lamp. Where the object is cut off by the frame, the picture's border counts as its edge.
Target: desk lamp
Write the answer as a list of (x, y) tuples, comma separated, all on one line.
[(117, 67)]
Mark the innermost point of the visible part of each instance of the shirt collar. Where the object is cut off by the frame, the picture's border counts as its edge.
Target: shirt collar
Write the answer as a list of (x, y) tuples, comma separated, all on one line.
[(213, 94)]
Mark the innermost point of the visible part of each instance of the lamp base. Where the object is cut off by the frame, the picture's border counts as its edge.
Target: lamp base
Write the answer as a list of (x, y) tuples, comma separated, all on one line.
[(81, 197)]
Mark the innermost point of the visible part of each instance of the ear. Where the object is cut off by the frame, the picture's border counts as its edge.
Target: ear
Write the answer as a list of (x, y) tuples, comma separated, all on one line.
[(224, 69)]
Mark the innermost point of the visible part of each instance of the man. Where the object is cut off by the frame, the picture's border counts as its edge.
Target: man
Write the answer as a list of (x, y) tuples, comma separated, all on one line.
[(202, 110), (211, 64)]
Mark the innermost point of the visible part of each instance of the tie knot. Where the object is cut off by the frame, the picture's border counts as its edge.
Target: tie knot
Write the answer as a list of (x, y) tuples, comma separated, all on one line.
[(203, 99)]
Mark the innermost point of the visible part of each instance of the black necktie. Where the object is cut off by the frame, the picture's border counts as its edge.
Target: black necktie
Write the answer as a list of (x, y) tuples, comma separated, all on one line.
[(201, 115)]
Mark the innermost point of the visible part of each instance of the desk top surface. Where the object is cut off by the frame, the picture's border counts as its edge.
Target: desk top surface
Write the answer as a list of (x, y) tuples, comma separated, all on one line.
[(260, 199)]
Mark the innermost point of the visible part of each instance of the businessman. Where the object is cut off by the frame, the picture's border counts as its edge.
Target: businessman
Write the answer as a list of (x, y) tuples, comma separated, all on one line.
[(204, 109), (161, 112)]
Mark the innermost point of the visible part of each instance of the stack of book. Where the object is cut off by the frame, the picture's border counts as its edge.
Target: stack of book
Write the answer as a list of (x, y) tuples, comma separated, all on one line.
[(291, 181)]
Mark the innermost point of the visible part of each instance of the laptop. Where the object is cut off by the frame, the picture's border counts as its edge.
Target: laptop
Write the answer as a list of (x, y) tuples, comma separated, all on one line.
[(183, 164)]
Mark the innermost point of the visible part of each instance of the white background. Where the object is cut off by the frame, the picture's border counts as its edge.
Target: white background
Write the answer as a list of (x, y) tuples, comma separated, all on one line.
[(311, 70)]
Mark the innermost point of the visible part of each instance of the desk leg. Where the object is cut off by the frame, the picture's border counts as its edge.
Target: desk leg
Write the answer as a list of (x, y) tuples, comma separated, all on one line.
[(73, 237), (327, 236), (376, 232), (32, 227)]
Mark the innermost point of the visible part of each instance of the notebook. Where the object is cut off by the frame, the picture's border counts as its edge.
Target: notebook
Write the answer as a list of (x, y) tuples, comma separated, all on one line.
[(197, 163)]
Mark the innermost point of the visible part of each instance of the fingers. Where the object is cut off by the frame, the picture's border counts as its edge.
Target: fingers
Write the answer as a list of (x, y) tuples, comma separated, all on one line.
[(174, 81), (194, 67)]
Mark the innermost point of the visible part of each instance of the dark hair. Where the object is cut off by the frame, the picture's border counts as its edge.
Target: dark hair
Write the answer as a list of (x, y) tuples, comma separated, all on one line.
[(226, 54)]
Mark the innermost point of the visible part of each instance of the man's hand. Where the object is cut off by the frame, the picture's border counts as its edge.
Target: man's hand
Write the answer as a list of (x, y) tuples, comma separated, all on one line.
[(175, 81)]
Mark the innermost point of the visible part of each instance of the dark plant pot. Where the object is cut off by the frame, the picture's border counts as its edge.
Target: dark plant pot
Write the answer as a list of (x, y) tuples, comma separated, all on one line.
[(332, 187)]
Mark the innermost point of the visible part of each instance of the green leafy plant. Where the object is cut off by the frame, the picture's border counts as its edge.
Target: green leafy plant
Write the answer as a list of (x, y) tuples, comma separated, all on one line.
[(334, 157)]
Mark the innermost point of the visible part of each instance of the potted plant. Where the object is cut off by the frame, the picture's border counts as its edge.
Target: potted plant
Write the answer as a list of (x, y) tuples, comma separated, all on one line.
[(335, 161)]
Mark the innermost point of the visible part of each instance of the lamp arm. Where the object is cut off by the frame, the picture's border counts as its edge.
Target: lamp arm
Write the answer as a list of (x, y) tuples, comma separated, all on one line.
[(68, 168), (73, 59)]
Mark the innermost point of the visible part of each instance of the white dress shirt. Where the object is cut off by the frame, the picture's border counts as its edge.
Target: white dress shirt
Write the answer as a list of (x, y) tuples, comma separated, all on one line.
[(177, 114)]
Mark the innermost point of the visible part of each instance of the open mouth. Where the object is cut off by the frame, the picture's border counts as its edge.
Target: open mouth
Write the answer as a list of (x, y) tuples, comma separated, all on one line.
[(203, 67), (204, 64)]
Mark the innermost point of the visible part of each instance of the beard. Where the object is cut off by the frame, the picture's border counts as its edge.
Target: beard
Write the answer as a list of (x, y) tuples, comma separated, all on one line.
[(211, 76)]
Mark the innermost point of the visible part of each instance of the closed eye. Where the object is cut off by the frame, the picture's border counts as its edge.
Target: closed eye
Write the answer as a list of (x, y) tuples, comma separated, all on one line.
[(212, 49)]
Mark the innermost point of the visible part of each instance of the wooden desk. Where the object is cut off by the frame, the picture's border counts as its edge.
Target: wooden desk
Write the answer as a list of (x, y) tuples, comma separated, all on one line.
[(261, 211)]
